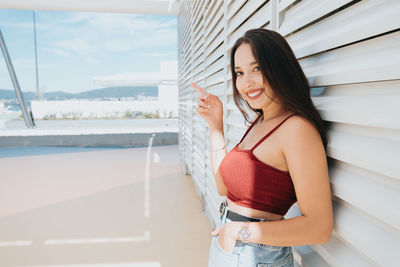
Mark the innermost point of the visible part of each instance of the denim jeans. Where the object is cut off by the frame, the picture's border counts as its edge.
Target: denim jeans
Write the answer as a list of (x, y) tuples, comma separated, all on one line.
[(246, 254)]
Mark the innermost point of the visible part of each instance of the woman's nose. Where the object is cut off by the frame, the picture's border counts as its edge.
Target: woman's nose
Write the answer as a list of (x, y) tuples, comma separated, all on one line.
[(248, 81)]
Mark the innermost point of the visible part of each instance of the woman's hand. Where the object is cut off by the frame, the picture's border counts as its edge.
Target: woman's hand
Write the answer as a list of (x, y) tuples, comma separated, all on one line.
[(209, 107), (227, 236)]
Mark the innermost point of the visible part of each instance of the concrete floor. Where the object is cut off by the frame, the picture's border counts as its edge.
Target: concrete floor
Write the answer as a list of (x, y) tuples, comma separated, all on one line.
[(100, 207)]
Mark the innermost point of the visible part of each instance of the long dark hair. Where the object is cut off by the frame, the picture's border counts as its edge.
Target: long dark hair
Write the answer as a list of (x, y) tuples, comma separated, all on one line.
[(283, 73)]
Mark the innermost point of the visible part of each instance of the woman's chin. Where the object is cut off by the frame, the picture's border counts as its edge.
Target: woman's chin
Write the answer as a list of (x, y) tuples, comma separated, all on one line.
[(255, 106)]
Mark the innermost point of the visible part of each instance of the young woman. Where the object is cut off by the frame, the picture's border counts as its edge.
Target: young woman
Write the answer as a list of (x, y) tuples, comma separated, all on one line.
[(280, 159)]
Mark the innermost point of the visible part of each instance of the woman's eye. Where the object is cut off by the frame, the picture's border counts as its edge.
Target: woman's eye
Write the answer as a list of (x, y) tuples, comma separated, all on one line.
[(238, 73)]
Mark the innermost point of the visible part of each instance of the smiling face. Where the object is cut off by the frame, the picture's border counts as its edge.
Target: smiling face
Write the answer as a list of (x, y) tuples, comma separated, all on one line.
[(250, 81)]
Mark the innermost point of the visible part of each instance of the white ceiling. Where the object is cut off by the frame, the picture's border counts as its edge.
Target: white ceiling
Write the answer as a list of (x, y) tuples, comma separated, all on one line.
[(166, 7)]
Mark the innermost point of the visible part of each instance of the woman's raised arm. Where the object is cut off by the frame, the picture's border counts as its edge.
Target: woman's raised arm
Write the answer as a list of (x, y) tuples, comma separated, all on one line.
[(210, 109)]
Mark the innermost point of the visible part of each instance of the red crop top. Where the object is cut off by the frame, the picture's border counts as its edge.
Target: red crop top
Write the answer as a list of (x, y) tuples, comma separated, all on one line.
[(254, 184)]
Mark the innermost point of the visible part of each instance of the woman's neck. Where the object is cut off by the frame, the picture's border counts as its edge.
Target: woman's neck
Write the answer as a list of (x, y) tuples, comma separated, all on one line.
[(273, 112)]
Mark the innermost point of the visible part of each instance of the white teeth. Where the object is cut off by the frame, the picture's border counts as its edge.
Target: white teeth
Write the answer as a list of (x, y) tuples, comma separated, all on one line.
[(255, 94)]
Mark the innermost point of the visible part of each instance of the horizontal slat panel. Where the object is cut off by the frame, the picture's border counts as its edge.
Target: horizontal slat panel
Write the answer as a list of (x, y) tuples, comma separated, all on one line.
[(234, 7), (357, 109), (197, 184), (338, 253), (235, 119), (210, 8), (380, 155), (243, 14), (345, 180), (213, 19), (217, 90), (306, 12), (364, 234), (197, 64), (217, 53), (260, 18), (197, 157), (214, 67), (198, 77), (214, 42), (196, 48), (198, 140), (214, 79), (373, 60), (283, 4), (365, 19)]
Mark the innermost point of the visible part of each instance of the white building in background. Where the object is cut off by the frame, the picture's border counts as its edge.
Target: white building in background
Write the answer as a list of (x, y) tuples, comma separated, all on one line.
[(6, 114), (166, 104)]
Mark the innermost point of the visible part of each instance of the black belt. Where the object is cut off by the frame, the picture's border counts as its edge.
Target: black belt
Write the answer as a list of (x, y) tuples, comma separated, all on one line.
[(236, 217)]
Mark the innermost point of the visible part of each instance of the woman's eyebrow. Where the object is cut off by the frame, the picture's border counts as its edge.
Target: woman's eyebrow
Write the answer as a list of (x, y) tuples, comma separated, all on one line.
[(251, 64)]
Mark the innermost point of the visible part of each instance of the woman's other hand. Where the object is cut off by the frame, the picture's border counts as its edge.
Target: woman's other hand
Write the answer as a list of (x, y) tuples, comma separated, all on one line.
[(227, 236), (209, 107)]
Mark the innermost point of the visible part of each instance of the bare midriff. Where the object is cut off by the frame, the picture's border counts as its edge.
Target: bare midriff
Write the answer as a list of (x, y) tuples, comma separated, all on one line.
[(248, 212)]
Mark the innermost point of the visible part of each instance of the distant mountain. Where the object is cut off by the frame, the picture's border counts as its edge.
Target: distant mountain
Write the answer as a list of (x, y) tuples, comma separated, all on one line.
[(103, 93), (120, 92), (10, 94), (130, 92)]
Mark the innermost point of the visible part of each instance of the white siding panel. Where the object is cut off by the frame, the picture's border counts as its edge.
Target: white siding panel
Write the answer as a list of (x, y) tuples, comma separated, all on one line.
[(214, 79), (306, 12), (215, 67), (363, 20), (214, 43), (243, 14), (372, 60), (357, 109), (345, 180), (380, 155), (214, 55), (260, 18), (366, 235), (233, 7), (350, 53), (217, 89), (283, 4), (339, 253), (213, 15)]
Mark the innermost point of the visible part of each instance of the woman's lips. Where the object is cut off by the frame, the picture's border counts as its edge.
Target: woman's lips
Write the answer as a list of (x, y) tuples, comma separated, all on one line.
[(253, 93)]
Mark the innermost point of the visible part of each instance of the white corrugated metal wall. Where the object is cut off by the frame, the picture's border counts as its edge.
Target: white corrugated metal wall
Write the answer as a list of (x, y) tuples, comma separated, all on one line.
[(350, 51)]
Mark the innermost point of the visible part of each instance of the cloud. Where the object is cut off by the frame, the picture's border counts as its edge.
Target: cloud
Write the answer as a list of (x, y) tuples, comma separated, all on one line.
[(116, 46), (93, 33), (19, 25), (80, 47), (28, 64), (155, 54), (60, 52)]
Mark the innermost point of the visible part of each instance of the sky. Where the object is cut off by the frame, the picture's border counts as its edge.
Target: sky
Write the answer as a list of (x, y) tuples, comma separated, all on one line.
[(73, 47)]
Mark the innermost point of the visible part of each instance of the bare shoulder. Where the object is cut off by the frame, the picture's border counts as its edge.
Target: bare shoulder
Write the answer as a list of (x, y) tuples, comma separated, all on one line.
[(298, 122), (303, 148), (298, 129)]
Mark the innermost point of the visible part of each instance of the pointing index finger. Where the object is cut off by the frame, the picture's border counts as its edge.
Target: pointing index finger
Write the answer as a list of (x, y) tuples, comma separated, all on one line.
[(199, 89)]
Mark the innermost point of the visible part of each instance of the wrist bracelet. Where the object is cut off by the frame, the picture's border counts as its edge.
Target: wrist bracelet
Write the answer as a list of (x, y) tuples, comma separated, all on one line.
[(218, 149), (244, 232)]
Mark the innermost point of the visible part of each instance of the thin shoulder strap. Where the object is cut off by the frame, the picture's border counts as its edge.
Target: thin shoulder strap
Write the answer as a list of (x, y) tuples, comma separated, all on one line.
[(248, 129), (270, 132)]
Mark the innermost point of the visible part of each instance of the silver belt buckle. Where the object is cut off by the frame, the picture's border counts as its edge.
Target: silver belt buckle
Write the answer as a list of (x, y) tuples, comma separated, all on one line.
[(222, 208)]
